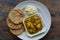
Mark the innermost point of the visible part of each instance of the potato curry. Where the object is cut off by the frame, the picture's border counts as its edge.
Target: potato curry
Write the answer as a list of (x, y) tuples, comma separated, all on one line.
[(33, 24)]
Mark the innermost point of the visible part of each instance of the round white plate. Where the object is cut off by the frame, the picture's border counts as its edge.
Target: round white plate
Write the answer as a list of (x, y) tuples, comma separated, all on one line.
[(44, 13)]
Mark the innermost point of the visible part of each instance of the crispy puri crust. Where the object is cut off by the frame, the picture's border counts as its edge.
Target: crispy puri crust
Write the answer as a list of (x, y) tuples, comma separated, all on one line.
[(12, 25), (17, 32), (15, 15)]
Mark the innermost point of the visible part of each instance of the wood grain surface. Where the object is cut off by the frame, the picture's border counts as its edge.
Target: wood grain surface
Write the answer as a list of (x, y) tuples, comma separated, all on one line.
[(52, 5)]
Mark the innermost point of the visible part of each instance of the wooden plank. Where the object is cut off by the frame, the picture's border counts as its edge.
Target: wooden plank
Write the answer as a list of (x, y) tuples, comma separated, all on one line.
[(52, 5)]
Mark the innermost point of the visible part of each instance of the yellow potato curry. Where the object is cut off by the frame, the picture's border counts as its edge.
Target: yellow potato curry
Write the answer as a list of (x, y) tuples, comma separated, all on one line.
[(33, 24)]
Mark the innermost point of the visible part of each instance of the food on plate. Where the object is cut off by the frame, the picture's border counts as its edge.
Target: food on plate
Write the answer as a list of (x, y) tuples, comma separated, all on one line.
[(16, 15), (15, 21), (30, 9), (33, 24), (17, 31), (11, 25)]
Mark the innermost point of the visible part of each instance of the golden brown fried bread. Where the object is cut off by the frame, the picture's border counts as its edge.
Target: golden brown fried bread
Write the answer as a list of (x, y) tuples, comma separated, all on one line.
[(17, 32), (15, 15), (12, 25)]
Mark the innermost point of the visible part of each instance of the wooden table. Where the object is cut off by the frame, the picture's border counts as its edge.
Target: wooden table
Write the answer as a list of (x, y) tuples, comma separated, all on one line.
[(52, 5)]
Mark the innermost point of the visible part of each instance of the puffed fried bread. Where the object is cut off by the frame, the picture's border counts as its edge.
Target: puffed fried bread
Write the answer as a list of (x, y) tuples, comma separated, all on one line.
[(12, 25), (15, 15), (17, 32)]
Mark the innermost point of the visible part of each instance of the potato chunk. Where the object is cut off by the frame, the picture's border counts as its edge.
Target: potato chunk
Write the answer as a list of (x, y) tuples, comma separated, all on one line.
[(39, 26)]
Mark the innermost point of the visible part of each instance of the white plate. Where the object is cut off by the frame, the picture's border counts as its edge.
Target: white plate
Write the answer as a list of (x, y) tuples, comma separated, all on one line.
[(43, 12)]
